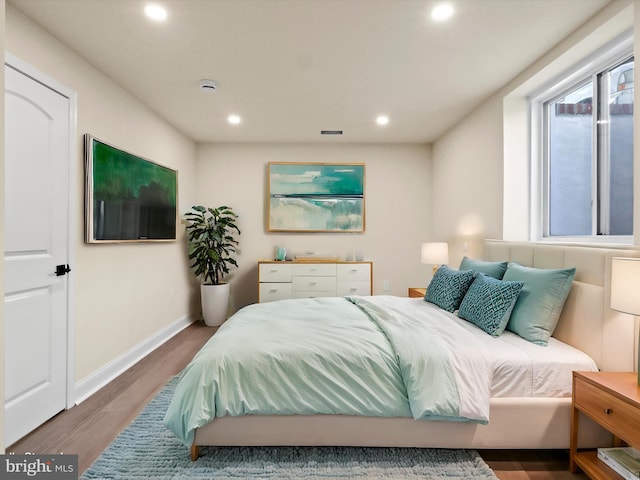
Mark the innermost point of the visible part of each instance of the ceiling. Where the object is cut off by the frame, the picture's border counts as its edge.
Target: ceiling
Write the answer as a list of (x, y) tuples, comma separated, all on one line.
[(291, 68)]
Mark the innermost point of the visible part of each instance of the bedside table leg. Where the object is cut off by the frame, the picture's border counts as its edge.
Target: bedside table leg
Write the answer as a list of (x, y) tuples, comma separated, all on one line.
[(573, 448)]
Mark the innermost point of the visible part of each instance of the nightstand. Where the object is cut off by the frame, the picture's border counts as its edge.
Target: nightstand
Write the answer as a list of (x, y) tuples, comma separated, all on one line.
[(611, 399), (417, 292)]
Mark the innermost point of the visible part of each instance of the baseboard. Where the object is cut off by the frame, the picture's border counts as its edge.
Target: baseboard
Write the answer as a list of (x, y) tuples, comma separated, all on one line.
[(98, 379)]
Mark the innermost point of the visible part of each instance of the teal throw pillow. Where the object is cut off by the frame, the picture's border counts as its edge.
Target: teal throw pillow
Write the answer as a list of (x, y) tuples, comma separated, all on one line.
[(448, 287), (489, 302), (492, 269), (536, 313)]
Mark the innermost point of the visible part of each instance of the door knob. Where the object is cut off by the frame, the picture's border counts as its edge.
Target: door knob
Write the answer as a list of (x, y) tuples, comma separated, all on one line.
[(62, 270)]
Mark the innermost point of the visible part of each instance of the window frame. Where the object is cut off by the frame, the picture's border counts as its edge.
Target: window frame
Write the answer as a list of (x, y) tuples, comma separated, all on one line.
[(587, 71)]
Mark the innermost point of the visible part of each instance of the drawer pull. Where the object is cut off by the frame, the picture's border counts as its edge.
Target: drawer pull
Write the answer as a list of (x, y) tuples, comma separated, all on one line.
[(313, 283), (607, 411), (273, 290)]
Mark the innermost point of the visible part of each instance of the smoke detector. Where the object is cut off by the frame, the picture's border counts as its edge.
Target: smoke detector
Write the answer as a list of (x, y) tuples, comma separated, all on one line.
[(208, 85)]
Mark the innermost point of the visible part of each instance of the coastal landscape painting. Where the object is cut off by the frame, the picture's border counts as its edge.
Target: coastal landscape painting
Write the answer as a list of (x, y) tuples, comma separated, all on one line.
[(316, 197)]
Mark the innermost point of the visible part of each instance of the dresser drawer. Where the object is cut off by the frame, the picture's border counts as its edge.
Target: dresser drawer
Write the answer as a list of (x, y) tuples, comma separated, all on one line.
[(354, 272), (353, 288), (314, 284), (270, 292), (613, 413), (274, 272), (313, 269), (313, 294)]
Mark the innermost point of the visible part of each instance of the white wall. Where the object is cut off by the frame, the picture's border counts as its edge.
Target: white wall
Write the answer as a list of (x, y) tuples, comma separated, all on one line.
[(397, 196), (125, 293), (467, 182)]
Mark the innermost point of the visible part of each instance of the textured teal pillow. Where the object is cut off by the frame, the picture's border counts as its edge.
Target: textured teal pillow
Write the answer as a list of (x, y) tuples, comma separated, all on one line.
[(447, 287), (489, 302), (535, 314), (492, 269)]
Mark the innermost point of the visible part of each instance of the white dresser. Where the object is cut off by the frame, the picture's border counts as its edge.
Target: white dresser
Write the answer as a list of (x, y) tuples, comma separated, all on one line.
[(282, 280)]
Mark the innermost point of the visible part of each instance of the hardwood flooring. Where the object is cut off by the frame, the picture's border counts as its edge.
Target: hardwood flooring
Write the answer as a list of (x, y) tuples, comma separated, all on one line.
[(90, 427)]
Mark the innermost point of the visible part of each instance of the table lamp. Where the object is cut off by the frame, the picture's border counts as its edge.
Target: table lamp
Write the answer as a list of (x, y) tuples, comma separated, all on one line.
[(435, 253), (625, 288)]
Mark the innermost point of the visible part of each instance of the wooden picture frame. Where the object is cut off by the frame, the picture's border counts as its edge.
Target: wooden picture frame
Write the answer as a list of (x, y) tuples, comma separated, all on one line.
[(316, 197)]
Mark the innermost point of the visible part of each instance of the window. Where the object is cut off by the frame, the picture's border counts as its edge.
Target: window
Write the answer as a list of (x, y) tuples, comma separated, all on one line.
[(587, 150)]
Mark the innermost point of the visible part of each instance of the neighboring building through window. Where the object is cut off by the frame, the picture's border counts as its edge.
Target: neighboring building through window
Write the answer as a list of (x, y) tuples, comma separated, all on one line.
[(587, 131)]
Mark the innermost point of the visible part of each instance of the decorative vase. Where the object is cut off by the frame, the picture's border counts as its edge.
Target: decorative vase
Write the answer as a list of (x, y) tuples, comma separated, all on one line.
[(215, 303)]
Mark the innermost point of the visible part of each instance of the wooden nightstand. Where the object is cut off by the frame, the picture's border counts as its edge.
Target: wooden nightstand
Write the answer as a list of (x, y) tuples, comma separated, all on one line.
[(611, 399), (417, 292)]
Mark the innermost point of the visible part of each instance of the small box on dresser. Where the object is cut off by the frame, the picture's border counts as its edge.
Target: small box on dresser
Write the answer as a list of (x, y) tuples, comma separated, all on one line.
[(284, 280)]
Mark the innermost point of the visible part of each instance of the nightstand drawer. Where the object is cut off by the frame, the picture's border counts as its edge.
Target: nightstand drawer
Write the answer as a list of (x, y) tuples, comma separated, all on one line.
[(417, 292), (616, 415)]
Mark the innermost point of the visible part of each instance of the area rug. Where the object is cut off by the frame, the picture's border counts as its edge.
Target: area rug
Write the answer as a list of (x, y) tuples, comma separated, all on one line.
[(146, 449)]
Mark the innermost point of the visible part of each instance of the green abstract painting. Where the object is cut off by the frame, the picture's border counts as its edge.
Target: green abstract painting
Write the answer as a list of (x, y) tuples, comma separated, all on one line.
[(128, 198), (316, 197)]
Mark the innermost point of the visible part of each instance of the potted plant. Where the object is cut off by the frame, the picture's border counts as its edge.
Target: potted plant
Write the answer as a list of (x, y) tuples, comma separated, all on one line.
[(211, 237)]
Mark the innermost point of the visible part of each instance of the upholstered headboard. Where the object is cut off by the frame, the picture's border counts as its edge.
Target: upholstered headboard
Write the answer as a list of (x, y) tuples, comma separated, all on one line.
[(586, 321)]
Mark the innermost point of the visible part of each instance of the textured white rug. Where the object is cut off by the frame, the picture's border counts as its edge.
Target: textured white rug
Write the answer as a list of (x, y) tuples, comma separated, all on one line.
[(146, 449)]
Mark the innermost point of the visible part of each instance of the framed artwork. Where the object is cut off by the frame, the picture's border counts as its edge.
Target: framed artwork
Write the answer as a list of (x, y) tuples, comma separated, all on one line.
[(127, 198), (316, 197)]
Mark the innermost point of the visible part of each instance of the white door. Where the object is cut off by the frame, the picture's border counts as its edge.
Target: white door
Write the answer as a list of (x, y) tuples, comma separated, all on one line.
[(36, 241)]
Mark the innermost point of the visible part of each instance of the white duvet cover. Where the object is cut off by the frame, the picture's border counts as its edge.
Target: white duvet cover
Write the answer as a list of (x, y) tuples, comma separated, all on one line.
[(521, 368), (371, 356)]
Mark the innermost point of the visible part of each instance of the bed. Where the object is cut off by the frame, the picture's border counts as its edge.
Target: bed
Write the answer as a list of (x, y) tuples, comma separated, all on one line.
[(523, 404)]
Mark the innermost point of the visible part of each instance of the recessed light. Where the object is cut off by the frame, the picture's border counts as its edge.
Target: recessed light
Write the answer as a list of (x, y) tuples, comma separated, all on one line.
[(442, 12), (156, 12), (382, 120), (234, 119)]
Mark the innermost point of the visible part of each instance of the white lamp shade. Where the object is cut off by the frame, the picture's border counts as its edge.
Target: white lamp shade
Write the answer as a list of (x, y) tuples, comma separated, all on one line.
[(625, 285), (435, 253)]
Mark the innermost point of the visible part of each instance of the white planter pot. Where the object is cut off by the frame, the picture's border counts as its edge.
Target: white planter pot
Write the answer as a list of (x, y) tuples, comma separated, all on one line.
[(215, 303)]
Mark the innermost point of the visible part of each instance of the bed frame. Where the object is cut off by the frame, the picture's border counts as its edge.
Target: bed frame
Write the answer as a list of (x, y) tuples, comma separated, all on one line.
[(586, 323)]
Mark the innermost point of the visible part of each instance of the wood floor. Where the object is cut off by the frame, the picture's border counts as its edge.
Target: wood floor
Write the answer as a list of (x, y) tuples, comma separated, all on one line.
[(89, 428)]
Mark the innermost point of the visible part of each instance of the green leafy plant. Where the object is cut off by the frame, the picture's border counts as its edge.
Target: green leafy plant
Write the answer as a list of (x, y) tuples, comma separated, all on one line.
[(211, 236)]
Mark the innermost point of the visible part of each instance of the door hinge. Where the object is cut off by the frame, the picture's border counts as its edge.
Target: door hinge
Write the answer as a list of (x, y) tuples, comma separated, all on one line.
[(62, 269)]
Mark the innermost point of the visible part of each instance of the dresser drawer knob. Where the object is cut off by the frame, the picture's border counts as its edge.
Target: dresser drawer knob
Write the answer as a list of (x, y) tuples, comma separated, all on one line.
[(607, 411)]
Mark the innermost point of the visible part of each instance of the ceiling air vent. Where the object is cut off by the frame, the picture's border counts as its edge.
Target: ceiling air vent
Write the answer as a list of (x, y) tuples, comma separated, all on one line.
[(208, 85), (330, 132)]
